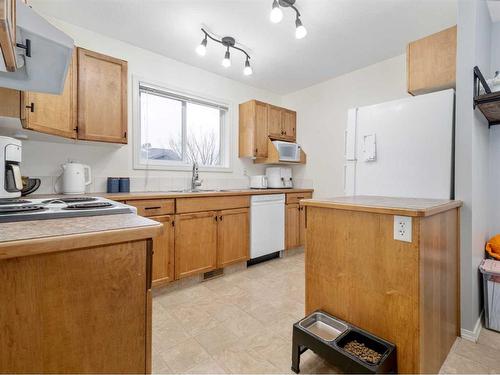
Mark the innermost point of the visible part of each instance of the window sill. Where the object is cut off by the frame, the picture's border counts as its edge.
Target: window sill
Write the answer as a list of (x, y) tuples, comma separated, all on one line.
[(182, 168)]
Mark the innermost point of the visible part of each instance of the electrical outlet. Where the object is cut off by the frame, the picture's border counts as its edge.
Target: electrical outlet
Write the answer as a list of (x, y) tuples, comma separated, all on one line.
[(402, 228)]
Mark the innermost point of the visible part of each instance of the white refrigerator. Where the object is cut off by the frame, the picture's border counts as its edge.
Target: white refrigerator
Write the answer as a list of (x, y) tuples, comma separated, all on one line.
[(402, 148)]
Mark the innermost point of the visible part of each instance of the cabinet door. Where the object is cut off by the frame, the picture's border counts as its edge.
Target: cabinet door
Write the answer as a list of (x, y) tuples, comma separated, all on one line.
[(233, 237), (431, 62), (8, 34), (289, 119), (261, 129), (9, 102), (163, 251), (82, 311), (302, 225), (102, 97), (52, 114), (195, 244), (275, 122), (292, 224)]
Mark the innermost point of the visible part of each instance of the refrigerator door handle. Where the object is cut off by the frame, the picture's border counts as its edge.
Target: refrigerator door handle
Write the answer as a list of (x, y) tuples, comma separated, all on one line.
[(350, 135), (345, 177)]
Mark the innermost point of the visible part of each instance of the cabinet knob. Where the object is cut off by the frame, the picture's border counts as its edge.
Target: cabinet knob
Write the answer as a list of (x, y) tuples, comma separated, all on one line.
[(31, 107)]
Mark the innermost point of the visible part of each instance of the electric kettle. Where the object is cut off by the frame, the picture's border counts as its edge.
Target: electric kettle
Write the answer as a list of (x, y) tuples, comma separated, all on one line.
[(75, 177)]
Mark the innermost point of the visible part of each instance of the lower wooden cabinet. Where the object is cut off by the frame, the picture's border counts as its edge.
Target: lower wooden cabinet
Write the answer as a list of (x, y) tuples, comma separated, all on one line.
[(163, 251), (233, 237), (82, 311), (192, 243), (295, 225), (302, 226), (205, 241), (292, 226), (195, 243)]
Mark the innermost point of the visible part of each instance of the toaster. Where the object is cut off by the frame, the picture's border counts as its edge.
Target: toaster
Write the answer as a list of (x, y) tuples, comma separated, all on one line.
[(258, 182)]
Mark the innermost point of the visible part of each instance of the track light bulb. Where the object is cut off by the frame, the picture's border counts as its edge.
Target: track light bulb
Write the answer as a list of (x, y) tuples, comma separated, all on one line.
[(226, 63), (248, 69), (300, 30), (202, 47), (276, 13)]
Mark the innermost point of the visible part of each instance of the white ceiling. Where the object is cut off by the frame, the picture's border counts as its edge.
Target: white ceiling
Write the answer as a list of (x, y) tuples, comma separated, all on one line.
[(494, 6), (343, 35)]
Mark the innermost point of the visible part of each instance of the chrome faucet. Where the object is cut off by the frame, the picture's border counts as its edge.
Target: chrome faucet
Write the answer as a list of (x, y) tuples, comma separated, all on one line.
[(195, 178)]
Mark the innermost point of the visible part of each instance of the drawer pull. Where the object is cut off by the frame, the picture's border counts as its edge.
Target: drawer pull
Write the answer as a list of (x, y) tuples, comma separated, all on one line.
[(152, 208)]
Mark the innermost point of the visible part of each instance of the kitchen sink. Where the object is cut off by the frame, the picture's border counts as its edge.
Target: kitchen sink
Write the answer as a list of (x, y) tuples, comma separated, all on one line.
[(198, 191)]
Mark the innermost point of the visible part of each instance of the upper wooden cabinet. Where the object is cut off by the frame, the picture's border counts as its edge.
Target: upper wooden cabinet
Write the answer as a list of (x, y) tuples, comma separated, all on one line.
[(261, 121), (289, 124), (431, 62), (253, 129), (92, 107), (52, 114), (102, 97), (9, 102), (8, 34), (275, 122), (282, 123)]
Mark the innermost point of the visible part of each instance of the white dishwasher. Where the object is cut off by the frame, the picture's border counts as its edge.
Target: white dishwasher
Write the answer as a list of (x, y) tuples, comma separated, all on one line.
[(267, 229)]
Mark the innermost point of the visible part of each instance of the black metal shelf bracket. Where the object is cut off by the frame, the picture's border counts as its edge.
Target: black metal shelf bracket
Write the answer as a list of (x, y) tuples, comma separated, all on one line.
[(478, 82), (484, 98)]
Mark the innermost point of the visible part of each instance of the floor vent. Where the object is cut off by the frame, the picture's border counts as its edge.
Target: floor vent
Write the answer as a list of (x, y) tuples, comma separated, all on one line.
[(213, 274)]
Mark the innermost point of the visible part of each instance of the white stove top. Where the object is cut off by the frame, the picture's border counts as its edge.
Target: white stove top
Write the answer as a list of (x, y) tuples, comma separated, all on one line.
[(23, 209)]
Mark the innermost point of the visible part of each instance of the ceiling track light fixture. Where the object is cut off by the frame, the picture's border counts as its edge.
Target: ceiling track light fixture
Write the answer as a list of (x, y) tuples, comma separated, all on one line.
[(277, 15), (228, 42)]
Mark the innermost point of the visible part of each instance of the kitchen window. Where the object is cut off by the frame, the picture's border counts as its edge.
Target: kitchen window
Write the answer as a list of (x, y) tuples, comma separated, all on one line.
[(177, 130)]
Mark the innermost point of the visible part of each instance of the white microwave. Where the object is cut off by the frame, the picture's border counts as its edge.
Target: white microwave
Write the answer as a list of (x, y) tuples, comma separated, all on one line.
[(287, 151)]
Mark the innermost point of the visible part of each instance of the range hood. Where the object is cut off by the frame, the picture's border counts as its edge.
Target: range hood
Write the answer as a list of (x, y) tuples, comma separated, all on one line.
[(43, 53)]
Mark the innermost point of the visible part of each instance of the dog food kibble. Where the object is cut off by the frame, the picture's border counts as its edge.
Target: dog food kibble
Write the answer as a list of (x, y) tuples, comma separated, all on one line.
[(361, 351)]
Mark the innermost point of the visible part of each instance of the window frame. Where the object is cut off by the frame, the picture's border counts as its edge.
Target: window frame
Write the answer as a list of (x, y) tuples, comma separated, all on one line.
[(184, 96)]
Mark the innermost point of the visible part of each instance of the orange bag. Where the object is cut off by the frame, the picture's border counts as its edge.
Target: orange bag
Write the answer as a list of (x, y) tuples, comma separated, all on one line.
[(493, 247)]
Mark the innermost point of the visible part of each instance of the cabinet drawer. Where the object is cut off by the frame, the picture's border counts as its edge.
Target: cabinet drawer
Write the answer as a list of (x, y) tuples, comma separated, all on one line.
[(296, 197), (153, 207), (211, 203)]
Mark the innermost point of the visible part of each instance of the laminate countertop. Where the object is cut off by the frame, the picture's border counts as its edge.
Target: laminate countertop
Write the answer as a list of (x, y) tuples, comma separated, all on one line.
[(202, 193), (44, 236), (386, 205)]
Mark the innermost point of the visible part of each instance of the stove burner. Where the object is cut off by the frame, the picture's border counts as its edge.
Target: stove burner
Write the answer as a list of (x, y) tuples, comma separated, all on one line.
[(70, 200), (13, 201), (88, 206), (5, 210)]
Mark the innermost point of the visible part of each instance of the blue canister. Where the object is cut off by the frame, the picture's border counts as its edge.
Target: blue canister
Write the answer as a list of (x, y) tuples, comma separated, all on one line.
[(113, 184), (124, 185)]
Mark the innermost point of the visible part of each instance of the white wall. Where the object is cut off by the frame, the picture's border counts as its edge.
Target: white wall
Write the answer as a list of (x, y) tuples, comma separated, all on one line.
[(494, 145), (322, 117), (44, 159), (472, 154)]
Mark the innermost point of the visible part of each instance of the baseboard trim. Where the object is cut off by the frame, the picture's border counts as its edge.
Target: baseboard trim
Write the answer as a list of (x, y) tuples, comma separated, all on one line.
[(473, 335)]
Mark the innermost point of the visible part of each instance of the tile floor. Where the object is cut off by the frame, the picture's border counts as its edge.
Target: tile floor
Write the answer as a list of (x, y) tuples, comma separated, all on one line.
[(242, 323)]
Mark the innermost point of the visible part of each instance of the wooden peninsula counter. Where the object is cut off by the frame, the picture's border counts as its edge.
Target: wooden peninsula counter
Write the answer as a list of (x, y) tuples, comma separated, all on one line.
[(404, 292), (75, 295)]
